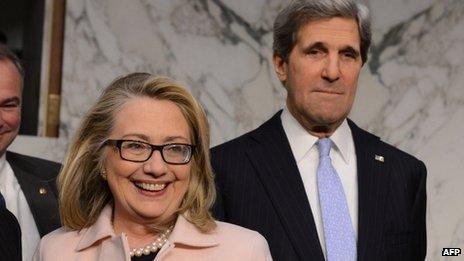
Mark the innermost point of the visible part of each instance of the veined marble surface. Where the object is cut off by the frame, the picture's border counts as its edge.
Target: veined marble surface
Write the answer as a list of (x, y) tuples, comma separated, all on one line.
[(410, 93)]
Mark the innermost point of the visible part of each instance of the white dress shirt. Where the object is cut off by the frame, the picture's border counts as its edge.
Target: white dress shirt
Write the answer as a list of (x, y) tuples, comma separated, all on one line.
[(306, 155), (17, 204)]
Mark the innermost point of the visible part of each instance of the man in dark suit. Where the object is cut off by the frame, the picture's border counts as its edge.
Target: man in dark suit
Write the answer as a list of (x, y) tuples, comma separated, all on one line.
[(314, 184), (26, 183)]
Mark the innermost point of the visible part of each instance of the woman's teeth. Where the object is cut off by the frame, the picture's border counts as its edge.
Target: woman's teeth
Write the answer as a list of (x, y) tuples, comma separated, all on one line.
[(150, 186)]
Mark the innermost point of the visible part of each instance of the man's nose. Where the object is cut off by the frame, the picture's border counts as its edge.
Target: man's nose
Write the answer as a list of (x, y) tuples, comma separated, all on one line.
[(331, 70)]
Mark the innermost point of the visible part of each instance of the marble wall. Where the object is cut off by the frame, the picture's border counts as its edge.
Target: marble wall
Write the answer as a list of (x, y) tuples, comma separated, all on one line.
[(410, 92)]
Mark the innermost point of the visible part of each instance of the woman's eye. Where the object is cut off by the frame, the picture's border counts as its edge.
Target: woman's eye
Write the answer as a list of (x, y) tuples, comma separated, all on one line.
[(134, 145), (175, 148)]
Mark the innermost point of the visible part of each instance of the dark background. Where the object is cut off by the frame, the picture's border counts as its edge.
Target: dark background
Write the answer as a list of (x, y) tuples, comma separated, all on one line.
[(21, 26)]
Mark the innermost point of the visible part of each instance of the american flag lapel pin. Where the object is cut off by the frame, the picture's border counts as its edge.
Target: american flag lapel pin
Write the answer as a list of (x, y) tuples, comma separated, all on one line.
[(379, 158)]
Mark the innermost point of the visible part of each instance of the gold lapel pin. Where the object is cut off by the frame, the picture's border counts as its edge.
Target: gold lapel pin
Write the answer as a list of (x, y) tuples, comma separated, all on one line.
[(379, 158), (42, 191)]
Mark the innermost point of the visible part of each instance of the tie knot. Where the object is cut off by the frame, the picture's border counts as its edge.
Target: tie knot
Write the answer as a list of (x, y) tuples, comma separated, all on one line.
[(324, 145)]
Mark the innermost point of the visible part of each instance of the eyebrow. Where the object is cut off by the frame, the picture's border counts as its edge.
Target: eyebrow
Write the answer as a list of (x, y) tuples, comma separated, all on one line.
[(172, 138), (316, 45), (146, 138), (321, 46)]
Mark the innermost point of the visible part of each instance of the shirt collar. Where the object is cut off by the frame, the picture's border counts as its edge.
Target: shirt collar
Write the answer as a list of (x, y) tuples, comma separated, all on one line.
[(341, 138), (102, 228), (4, 180), (2, 162), (184, 232), (301, 142)]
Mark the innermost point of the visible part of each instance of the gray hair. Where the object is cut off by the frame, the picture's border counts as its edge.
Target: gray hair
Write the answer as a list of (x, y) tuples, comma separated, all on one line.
[(298, 13), (7, 54)]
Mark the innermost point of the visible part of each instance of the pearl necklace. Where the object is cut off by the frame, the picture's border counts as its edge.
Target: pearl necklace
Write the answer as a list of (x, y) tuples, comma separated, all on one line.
[(152, 247)]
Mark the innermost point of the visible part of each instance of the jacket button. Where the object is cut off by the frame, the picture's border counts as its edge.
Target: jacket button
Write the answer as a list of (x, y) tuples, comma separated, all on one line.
[(42, 191)]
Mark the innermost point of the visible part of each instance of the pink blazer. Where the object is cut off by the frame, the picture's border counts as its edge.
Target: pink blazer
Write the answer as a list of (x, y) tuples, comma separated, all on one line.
[(99, 242)]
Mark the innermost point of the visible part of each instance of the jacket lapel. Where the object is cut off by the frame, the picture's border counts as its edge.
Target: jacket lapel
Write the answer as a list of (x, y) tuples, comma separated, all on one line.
[(273, 160), (115, 248), (373, 186), (39, 195)]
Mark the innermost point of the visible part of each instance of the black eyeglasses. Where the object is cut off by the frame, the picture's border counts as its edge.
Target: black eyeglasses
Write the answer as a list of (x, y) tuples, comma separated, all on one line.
[(139, 151)]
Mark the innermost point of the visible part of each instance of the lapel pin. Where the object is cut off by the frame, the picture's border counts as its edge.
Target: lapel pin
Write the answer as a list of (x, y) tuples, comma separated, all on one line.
[(379, 158), (42, 191)]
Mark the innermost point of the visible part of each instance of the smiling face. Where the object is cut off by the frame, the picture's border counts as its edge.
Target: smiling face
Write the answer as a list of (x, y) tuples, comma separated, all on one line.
[(10, 103), (149, 191), (321, 73)]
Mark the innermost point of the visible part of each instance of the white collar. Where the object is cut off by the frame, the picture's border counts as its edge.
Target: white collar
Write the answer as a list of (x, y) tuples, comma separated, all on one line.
[(301, 142), (2, 162), (3, 168)]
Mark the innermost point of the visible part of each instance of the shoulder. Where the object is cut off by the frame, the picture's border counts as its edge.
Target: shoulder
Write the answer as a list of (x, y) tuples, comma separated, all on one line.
[(16, 157), (58, 242), (398, 154), (404, 166), (49, 169), (231, 145), (400, 162), (242, 240), (62, 234), (270, 126), (224, 157), (364, 138), (230, 230)]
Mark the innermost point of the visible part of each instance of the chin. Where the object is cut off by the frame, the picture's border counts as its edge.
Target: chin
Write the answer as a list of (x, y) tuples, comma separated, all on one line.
[(154, 212), (149, 217), (326, 119)]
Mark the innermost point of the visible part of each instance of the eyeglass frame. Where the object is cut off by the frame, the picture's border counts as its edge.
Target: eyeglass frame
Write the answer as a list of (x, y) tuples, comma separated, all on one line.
[(118, 144)]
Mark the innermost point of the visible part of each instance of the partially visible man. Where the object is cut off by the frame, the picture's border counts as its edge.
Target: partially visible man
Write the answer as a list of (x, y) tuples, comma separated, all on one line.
[(314, 184), (26, 183)]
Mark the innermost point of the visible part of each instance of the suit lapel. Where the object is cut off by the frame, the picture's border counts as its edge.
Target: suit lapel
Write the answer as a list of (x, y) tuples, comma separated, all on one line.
[(373, 186), (39, 195), (271, 155)]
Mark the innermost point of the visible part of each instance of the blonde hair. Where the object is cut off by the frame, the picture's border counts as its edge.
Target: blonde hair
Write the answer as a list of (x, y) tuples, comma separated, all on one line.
[(82, 192)]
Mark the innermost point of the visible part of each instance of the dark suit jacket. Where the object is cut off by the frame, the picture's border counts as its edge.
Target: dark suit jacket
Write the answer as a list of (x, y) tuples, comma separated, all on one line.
[(260, 188), (37, 179), (10, 236)]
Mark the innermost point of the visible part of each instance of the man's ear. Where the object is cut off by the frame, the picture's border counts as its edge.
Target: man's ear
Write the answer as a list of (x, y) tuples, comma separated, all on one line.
[(280, 67)]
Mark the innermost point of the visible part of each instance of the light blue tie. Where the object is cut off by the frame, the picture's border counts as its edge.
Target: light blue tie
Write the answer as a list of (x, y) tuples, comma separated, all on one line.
[(340, 241)]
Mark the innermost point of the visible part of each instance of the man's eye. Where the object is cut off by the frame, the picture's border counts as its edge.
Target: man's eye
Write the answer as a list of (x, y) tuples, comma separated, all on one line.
[(350, 55), (10, 105), (315, 52)]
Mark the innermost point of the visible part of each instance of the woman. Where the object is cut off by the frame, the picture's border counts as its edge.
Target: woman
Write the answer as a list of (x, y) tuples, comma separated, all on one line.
[(137, 183)]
